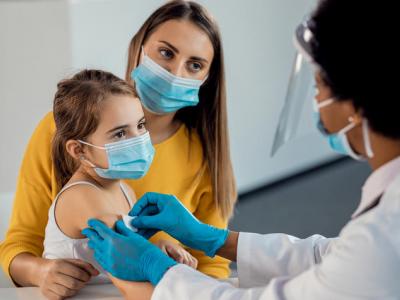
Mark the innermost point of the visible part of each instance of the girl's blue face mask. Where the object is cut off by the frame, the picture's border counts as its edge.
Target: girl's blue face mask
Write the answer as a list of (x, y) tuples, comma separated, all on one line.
[(160, 91), (127, 159), (339, 141)]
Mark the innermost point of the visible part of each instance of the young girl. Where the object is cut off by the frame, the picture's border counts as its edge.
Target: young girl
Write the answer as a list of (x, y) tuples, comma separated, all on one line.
[(100, 139)]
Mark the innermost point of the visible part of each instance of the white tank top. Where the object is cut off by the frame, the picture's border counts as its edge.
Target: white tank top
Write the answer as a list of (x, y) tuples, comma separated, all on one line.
[(59, 245)]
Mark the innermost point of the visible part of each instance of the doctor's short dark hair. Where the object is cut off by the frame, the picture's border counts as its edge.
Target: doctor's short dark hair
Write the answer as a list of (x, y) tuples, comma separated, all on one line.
[(356, 45)]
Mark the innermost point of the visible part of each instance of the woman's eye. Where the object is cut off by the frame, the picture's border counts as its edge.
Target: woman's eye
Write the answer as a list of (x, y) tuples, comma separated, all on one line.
[(166, 53), (195, 66), (120, 134), (141, 126)]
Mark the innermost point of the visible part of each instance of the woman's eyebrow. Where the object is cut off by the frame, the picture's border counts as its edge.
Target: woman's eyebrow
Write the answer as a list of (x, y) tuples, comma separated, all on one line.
[(177, 51), (118, 127), (170, 45), (199, 58), (142, 120)]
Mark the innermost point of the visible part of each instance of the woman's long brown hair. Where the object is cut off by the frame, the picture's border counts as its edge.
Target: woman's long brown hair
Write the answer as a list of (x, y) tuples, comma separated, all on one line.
[(209, 117), (76, 108)]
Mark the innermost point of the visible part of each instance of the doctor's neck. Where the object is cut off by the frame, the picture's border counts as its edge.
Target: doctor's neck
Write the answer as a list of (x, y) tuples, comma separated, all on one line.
[(385, 150)]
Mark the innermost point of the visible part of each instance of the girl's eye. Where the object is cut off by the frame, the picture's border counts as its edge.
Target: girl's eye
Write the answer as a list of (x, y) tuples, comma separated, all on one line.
[(166, 53), (195, 67), (120, 134)]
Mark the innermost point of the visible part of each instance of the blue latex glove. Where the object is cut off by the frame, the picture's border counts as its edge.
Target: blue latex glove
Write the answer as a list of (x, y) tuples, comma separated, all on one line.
[(155, 212), (125, 254)]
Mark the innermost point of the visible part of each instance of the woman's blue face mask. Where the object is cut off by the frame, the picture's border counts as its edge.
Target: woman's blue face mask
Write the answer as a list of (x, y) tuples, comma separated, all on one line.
[(127, 159), (160, 91)]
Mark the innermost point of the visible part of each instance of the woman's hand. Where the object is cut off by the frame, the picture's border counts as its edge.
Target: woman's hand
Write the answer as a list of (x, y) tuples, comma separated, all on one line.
[(62, 278), (155, 212), (177, 252), (56, 278), (125, 254)]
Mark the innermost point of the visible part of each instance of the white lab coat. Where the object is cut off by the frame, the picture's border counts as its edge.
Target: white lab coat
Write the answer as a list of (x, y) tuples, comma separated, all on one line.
[(362, 263)]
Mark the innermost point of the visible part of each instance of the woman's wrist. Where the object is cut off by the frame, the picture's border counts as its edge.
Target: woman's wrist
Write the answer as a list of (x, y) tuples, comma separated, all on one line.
[(25, 269), (38, 270)]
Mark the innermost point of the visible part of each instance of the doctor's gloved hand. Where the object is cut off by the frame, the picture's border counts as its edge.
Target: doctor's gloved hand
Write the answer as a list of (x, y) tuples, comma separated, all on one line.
[(159, 212), (125, 254)]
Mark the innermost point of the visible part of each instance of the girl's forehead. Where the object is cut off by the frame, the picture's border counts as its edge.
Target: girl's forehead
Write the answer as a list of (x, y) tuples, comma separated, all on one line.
[(120, 110)]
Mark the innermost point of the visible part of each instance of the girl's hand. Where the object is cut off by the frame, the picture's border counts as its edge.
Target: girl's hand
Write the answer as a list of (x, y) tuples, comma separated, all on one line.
[(178, 253)]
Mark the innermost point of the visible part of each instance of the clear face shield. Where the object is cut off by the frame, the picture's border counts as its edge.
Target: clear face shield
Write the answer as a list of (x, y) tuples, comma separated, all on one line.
[(300, 88)]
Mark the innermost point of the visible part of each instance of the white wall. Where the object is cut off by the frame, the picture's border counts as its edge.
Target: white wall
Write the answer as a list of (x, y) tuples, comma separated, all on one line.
[(5, 212), (34, 56), (42, 41)]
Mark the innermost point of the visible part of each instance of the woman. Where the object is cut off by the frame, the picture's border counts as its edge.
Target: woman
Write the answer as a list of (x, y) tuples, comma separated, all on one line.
[(356, 109), (192, 159)]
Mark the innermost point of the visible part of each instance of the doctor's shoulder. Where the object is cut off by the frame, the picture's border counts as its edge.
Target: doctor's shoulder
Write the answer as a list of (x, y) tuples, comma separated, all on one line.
[(389, 213), (378, 227)]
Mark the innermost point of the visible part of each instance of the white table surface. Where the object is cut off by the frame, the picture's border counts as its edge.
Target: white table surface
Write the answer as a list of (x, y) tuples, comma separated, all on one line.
[(101, 291)]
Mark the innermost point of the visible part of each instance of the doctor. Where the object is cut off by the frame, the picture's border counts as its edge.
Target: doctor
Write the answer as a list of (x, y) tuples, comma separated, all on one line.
[(357, 110)]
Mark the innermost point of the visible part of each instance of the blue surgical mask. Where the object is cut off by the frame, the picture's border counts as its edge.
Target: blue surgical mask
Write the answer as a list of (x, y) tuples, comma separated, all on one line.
[(127, 159), (339, 141), (160, 91)]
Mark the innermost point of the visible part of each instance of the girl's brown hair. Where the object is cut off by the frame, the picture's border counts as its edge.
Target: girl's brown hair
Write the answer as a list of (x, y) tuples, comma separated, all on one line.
[(209, 117), (76, 109)]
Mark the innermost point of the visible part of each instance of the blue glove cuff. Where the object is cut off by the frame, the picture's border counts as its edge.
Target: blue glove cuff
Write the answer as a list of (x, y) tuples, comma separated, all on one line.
[(217, 242), (156, 263)]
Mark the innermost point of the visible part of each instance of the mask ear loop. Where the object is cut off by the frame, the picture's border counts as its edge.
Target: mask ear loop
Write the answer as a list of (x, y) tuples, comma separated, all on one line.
[(91, 145), (318, 105), (365, 133), (367, 141), (83, 158), (354, 121), (142, 54), (324, 103), (348, 127)]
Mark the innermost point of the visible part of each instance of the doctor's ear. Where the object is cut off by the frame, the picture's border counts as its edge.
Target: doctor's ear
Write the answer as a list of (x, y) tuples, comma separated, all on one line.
[(350, 110), (74, 148)]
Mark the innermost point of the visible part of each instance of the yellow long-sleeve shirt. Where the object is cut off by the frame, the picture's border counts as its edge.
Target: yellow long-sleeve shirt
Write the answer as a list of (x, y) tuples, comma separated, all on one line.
[(176, 169)]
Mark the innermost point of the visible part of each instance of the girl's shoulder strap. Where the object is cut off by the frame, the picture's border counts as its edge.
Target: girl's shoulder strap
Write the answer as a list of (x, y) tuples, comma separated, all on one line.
[(82, 182)]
